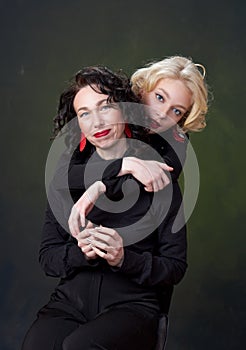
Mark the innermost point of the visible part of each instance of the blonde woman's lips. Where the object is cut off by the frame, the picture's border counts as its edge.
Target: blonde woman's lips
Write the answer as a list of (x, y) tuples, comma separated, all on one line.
[(101, 133), (154, 124)]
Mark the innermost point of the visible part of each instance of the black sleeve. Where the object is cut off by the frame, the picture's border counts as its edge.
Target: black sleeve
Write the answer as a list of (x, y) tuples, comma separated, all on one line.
[(172, 145), (168, 264), (59, 254), (175, 157), (81, 176)]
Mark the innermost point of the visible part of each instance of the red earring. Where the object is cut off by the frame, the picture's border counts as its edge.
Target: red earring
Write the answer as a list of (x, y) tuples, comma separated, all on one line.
[(82, 142), (128, 131)]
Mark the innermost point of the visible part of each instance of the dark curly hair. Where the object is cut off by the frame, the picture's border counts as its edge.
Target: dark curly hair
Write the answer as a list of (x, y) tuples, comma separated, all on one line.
[(101, 79)]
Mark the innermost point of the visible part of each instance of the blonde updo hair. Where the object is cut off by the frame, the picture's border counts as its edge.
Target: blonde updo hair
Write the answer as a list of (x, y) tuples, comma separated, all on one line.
[(179, 68)]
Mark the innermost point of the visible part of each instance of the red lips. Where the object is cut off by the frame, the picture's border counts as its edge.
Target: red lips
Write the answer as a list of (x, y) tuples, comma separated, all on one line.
[(101, 133)]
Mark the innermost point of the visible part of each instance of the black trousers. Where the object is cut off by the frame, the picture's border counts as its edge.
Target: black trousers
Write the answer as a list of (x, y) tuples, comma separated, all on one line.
[(124, 327)]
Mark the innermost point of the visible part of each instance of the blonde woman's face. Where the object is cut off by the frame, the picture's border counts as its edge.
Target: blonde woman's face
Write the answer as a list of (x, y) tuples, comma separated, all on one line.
[(170, 100)]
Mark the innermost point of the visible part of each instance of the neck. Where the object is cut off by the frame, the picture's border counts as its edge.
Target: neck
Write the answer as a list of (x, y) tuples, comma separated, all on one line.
[(115, 151)]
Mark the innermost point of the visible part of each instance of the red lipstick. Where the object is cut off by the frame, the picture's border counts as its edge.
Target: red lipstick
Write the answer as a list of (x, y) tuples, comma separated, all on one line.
[(101, 133)]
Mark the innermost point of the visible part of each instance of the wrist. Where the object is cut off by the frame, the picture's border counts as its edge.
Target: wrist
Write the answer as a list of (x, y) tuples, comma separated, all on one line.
[(127, 165), (100, 186), (120, 263)]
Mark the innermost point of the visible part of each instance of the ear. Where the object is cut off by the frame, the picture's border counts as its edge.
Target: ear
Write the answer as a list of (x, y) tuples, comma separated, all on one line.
[(141, 94)]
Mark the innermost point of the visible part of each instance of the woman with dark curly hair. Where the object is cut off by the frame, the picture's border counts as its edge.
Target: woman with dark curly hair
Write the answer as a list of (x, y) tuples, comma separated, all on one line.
[(108, 295)]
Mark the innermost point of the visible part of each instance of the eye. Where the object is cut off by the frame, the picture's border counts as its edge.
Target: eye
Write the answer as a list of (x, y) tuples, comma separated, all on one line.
[(159, 97), (105, 107), (177, 112), (84, 114)]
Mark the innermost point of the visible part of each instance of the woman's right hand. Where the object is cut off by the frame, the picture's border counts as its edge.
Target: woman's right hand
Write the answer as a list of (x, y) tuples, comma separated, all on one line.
[(83, 206), (84, 241), (149, 172)]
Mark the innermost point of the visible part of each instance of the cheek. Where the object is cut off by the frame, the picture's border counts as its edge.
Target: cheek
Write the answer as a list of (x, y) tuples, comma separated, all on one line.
[(177, 118), (147, 99), (117, 120), (83, 127), (152, 103), (120, 129)]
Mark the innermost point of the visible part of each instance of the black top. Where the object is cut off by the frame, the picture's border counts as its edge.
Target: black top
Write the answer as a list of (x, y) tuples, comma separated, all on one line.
[(154, 256)]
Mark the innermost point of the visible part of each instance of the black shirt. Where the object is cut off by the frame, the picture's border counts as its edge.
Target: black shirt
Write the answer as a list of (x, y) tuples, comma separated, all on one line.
[(154, 255)]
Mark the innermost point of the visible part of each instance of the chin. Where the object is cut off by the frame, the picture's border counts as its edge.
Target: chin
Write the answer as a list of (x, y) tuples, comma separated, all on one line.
[(163, 128), (105, 144)]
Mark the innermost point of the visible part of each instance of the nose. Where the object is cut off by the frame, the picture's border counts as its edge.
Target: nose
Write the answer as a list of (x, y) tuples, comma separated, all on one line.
[(161, 114), (98, 119)]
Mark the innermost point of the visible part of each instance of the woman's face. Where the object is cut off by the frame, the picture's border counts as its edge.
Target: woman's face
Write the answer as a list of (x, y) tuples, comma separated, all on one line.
[(169, 102), (101, 122)]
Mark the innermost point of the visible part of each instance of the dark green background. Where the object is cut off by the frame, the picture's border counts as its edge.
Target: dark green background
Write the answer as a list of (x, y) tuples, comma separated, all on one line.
[(42, 44)]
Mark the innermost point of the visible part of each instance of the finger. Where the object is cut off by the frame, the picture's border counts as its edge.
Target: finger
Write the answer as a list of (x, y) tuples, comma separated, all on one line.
[(107, 256), (89, 224), (148, 189), (155, 188), (159, 185), (79, 219), (91, 254), (73, 222), (165, 180), (83, 243), (103, 237), (106, 230), (82, 219), (83, 234), (166, 167), (86, 248), (155, 185), (99, 252), (101, 246), (80, 214), (73, 227)]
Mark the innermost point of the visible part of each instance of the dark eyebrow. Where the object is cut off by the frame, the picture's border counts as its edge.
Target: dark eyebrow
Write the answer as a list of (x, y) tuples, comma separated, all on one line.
[(99, 103)]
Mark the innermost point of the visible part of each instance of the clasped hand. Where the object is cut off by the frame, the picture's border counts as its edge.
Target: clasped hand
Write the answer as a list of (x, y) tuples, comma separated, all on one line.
[(101, 241)]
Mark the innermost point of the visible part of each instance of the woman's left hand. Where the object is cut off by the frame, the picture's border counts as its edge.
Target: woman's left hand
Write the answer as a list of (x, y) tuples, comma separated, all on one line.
[(83, 206), (108, 244)]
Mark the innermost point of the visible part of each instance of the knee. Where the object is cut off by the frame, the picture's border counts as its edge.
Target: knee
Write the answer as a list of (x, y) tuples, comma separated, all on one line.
[(77, 341), (31, 340), (72, 343)]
